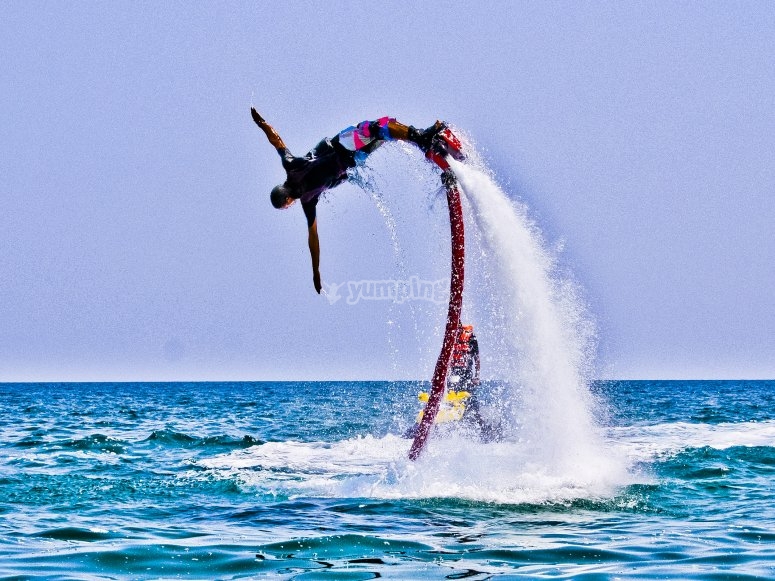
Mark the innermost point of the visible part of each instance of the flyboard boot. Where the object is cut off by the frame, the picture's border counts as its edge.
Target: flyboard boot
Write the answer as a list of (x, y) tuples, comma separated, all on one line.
[(438, 142)]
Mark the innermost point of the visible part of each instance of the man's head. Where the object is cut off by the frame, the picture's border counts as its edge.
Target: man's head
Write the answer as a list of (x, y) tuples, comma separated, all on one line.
[(281, 196)]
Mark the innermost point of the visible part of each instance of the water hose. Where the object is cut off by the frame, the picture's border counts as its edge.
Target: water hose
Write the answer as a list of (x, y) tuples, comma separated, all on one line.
[(439, 381)]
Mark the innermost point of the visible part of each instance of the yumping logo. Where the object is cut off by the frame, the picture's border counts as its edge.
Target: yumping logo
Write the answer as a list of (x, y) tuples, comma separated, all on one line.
[(398, 291)]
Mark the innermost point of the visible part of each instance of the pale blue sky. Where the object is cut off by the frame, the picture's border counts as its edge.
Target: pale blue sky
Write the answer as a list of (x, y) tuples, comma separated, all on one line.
[(137, 240)]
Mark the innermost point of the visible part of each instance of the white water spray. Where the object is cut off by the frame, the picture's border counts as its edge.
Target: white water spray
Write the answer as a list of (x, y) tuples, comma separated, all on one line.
[(541, 339)]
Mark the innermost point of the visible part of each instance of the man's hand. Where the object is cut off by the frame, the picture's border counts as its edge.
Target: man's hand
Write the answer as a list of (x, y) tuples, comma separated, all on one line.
[(256, 117), (314, 252)]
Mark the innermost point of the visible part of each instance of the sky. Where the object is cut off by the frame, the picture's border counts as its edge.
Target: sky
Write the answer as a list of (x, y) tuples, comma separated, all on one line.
[(137, 241)]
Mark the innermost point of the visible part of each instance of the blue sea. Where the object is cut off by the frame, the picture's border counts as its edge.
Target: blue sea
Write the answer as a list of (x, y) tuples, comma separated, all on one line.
[(311, 481)]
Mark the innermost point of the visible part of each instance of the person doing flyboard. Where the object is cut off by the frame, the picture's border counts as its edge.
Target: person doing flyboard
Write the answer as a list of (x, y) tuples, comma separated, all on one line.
[(326, 165)]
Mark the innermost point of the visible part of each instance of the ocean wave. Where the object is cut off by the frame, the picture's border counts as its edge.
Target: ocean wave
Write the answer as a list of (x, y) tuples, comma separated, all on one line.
[(368, 467), (77, 534), (503, 473), (179, 439), (649, 442), (98, 442)]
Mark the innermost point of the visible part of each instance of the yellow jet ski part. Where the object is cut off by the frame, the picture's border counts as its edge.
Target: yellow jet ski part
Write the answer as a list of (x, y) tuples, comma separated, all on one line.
[(453, 406), (450, 396)]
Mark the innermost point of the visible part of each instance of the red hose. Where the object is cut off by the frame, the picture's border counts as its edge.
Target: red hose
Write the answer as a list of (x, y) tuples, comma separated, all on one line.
[(453, 312)]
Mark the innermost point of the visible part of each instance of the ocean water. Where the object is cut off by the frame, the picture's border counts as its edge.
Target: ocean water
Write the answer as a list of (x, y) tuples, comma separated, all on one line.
[(311, 481)]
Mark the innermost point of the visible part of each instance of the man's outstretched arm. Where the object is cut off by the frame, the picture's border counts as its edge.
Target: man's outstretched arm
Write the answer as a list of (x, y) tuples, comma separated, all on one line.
[(269, 131), (314, 252)]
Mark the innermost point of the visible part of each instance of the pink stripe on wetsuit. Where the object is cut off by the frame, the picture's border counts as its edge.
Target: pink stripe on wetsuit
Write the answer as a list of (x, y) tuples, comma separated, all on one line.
[(367, 135)]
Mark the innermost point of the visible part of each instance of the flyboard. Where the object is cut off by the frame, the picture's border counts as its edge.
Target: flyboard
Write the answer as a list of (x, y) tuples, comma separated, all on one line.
[(445, 144)]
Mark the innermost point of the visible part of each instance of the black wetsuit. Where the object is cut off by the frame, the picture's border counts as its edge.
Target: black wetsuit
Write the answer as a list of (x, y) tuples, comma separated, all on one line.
[(324, 166)]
